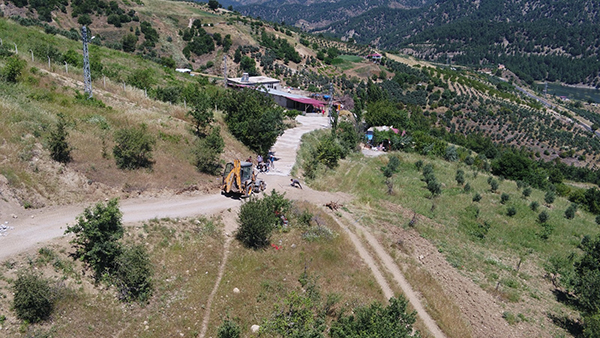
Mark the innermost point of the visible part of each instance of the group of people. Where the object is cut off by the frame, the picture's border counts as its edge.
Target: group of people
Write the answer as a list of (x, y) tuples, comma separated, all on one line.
[(265, 166)]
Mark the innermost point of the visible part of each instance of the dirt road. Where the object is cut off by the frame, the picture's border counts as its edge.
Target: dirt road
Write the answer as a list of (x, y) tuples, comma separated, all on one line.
[(34, 228)]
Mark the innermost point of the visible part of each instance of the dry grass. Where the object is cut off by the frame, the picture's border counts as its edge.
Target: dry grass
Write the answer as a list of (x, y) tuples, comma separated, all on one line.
[(185, 255), (264, 277)]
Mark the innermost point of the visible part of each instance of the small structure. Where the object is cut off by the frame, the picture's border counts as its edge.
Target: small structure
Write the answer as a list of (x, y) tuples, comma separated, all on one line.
[(183, 70), (375, 57), (294, 101), (254, 81)]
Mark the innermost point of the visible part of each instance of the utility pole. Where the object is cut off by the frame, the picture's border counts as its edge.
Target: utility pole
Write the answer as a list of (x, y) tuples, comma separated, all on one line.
[(87, 75), (225, 70)]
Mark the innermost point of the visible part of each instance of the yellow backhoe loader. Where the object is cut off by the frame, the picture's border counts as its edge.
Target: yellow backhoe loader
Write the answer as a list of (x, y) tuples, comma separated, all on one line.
[(239, 178)]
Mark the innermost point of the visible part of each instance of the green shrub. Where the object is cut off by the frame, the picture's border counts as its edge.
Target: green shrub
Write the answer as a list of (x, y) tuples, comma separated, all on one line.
[(13, 69), (511, 211), (434, 187), (229, 329), (207, 152), (504, 198), (571, 210), (549, 197), (543, 217), (133, 148), (534, 205), (460, 177), (96, 237), (526, 192), (467, 188), (598, 219), (258, 217), (494, 185), (57, 142), (32, 297), (477, 197), (133, 275), (419, 164)]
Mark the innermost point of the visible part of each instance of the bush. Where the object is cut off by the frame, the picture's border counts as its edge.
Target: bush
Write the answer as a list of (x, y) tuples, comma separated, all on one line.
[(570, 212), (534, 205), (511, 211), (494, 185), (549, 197), (13, 68), (460, 177), (377, 320), (451, 155), (598, 219), (419, 164), (504, 198), (434, 187), (543, 217), (207, 152), (57, 142), (133, 148), (96, 236), (526, 192), (133, 275), (476, 197), (229, 329), (32, 297), (467, 188), (257, 218)]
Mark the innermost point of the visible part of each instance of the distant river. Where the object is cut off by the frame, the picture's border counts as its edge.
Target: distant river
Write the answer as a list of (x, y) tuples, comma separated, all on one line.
[(582, 94)]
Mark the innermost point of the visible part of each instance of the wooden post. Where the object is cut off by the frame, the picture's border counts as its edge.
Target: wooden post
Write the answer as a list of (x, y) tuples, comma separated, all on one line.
[(66, 67)]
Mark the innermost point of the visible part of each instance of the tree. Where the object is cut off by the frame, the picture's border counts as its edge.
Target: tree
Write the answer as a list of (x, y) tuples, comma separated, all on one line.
[(571, 210), (208, 150), (526, 192), (57, 142), (13, 68), (477, 197), (213, 4), (549, 197), (202, 114), (434, 187), (133, 148), (84, 19), (97, 233), (376, 320), (129, 42), (32, 299), (253, 118), (460, 177), (493, 185), (504, 198), (511, 211), (543, 217)]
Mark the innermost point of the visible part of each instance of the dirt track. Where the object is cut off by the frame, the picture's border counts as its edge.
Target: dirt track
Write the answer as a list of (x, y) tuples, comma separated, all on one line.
[(33, 229)]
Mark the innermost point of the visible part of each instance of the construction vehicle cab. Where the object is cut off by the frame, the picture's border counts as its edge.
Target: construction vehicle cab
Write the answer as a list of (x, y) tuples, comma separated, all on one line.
[(239, 178)]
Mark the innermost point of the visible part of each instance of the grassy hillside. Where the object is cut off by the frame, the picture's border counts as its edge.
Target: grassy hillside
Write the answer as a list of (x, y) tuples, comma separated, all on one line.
[(186, 254), (513, 258)]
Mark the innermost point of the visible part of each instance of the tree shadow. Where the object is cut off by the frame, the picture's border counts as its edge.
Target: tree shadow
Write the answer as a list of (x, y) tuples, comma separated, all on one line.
[(574, 327), (565, 298)]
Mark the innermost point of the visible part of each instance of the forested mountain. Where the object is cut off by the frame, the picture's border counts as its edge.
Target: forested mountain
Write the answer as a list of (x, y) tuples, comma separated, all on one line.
[(318, 14), (538, 40)]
